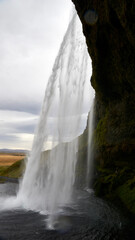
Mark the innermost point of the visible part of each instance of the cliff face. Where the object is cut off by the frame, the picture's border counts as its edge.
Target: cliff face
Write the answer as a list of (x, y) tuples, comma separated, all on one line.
[(109, 27)]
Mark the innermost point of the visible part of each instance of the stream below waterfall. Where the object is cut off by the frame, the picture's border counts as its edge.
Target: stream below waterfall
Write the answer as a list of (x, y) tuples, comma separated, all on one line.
[(87, 217)]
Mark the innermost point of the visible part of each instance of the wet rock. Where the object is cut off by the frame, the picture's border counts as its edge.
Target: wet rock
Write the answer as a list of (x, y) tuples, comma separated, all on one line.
[(111, 45)]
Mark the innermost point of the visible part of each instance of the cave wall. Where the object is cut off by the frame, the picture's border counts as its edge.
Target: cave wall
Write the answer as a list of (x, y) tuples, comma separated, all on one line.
[(111, 45)]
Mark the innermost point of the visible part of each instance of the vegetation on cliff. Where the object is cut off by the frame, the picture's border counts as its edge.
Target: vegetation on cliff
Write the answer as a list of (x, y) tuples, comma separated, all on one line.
[(14, 171), (111, 45)]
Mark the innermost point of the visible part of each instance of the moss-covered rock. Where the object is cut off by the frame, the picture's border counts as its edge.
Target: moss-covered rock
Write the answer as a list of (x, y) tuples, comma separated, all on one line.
[(126, 193), (111, 45)]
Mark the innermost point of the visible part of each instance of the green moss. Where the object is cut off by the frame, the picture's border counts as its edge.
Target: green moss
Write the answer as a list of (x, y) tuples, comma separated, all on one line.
[(114, 176), (117, 184), (100, 132), (126, 193)]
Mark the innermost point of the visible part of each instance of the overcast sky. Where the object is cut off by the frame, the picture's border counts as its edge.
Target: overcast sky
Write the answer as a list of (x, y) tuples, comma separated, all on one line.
[(30, 35)]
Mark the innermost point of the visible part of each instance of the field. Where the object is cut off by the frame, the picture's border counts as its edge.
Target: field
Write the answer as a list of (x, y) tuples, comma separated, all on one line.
[(7, 159), (12, 165)]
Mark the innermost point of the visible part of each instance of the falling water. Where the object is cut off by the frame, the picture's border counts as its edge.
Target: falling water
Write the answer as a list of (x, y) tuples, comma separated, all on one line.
[(90, 150), (48, 181)]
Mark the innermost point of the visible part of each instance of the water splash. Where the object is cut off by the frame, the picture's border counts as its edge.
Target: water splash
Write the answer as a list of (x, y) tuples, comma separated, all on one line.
[(47, 185)]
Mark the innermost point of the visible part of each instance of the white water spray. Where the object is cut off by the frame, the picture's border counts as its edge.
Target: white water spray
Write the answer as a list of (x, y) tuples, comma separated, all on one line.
[(49, 177)]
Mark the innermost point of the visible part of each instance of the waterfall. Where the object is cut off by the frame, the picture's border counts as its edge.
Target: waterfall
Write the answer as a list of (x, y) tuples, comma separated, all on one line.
[(49, 178), (90, 150)]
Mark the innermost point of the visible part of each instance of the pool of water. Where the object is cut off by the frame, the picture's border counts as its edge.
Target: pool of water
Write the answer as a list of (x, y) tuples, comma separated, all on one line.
[(87, 217)]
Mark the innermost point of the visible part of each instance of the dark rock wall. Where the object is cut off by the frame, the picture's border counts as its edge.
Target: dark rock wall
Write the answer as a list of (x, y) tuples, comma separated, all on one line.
[(111, 45)]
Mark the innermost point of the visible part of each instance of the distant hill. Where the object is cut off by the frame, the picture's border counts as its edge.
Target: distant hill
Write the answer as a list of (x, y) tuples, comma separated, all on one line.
[(6, 150)]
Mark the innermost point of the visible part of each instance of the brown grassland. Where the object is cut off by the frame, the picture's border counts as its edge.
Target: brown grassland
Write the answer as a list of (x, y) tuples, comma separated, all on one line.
[(9, 159)]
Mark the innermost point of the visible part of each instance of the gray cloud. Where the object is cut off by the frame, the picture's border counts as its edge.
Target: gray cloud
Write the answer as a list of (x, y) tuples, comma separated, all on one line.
[(22, 125), (7, 138), (29, 43), (31, 32), (25, 127), (28, 107)]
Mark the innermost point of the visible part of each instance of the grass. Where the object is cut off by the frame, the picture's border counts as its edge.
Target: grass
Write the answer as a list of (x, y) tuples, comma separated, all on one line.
[(12, 165), (9, 159), (3, 168), (14, 171)]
